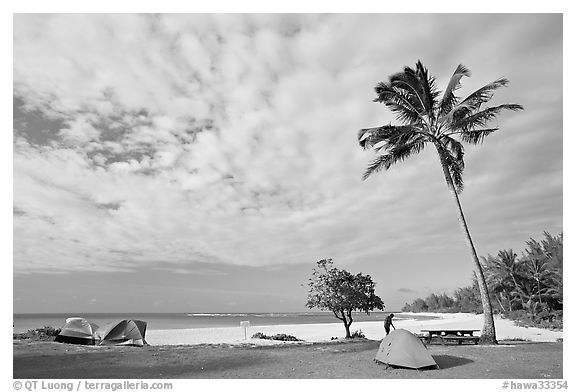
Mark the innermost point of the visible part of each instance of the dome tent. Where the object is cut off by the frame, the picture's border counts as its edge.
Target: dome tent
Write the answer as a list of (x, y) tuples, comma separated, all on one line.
[(77, 330), (401, 348), (123, 332)]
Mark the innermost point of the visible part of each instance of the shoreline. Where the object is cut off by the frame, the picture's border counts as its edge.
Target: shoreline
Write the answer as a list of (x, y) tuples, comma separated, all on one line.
[(373, 330), (175, 321)]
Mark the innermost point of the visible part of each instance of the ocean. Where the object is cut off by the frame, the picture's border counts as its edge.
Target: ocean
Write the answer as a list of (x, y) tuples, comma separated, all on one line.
[(25, 321)]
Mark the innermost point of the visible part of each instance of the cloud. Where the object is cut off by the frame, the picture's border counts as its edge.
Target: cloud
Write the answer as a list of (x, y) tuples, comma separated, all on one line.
[(230, 139)]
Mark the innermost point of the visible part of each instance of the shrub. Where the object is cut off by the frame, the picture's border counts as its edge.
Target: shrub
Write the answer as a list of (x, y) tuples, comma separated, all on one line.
[(45, 330), (285, 337), (45, 333), (546, 319), (281, 336), (358, 334), (517, 340)]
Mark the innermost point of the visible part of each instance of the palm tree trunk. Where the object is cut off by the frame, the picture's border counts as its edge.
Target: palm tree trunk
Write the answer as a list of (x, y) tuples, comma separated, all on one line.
[(539, 291), (500, 303), (518, 290), (488, 335)]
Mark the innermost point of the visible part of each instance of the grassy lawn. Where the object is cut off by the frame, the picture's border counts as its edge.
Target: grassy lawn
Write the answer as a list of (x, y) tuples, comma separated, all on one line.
[(352, 359)]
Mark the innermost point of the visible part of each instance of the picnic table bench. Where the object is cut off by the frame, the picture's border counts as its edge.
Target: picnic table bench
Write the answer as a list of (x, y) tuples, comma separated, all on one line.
[(454, 335)]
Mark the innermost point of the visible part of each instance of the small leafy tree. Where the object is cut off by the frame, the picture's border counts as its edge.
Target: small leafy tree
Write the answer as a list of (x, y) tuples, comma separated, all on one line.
[(341, 292)]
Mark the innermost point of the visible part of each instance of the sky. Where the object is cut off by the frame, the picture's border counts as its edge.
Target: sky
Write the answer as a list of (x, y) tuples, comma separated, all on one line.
[(181, 163)]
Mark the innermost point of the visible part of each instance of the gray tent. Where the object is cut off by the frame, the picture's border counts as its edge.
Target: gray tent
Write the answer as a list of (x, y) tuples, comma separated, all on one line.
[(123, 332), (401, 348), (77, 330)]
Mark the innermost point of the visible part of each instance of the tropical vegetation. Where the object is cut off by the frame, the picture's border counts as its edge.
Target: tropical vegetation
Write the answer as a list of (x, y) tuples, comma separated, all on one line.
[(526, 287)]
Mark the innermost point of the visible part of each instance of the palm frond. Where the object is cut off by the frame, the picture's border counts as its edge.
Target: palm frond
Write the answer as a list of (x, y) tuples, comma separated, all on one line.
[(473, 102), (408, 82), (455, 147), (458, 179), (428, 84), (476, 136), (455, 164), (369, 137), (400, 102), (449, 99), (481, 118), (376, 165), (457, 171), (363, 135), (396, 154), (484, 93), (454, 156)]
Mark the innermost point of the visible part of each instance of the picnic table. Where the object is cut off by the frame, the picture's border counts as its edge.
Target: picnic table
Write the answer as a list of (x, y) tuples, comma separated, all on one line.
[(458, 335)]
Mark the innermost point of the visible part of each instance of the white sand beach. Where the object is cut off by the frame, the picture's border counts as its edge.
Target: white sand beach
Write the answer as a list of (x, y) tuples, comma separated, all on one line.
[(505, 329)]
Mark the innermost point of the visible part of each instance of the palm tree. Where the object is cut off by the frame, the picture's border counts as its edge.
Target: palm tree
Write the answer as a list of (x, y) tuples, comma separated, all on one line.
[(426, 117), (503, 274)]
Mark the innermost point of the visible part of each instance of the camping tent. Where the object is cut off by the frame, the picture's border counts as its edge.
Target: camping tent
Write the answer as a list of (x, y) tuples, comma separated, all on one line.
[(78, 331), (123, 332), (401, 348)]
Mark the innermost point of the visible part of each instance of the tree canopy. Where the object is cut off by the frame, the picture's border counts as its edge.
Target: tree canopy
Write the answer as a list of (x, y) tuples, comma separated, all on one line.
[(341, 292), (426, 116)]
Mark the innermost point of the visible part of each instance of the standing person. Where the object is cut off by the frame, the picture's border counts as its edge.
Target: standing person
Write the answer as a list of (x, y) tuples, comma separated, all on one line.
[(388, 323)]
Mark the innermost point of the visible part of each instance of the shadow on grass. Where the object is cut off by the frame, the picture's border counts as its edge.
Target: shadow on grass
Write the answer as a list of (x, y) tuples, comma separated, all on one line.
[(109, 365), (450, 361)]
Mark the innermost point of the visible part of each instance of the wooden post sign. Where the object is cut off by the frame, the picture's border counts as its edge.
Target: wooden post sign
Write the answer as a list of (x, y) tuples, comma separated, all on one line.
[(245, 325)]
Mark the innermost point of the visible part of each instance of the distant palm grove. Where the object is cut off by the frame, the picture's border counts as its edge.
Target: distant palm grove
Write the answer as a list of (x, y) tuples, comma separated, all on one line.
[(525, 287)]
